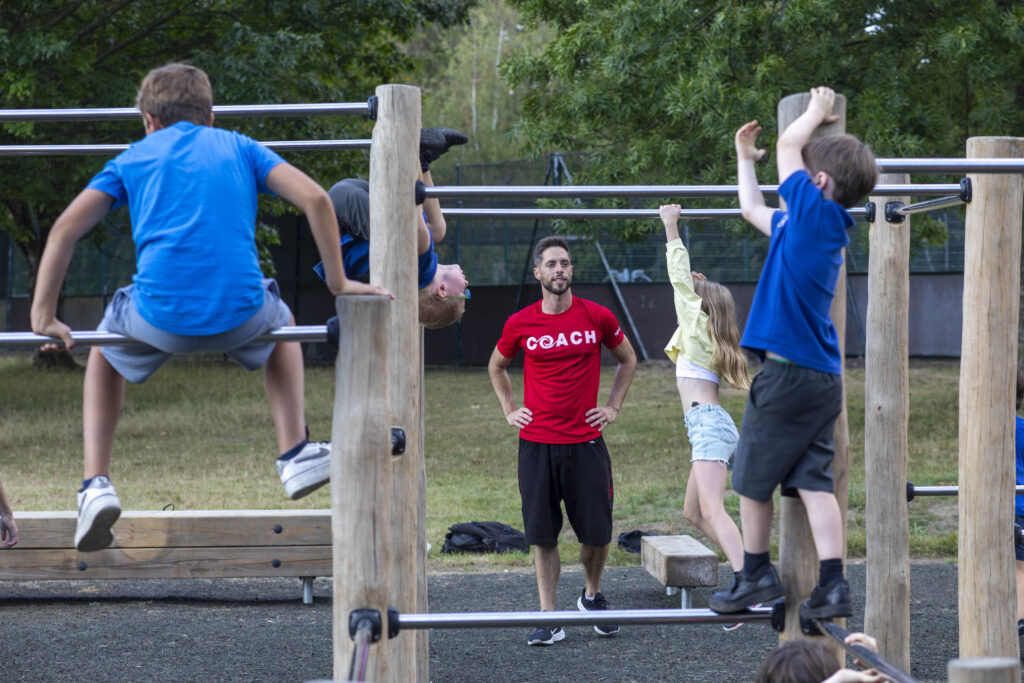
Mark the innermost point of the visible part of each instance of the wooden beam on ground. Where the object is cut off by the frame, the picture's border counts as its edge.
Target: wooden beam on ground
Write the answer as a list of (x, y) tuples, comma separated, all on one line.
[(988, 371)]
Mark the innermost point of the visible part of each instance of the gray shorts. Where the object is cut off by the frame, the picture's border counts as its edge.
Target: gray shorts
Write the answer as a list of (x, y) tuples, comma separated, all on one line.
[(136, 362), (787, 432)]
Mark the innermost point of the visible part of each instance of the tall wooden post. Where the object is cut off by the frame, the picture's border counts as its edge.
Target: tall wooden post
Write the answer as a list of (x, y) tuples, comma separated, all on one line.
[(394, 168), (361, 477), (798, 558), (988, 370), (887, 407)]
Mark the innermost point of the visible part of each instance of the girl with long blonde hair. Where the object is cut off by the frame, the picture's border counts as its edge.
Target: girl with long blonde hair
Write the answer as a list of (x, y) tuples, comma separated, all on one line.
[(705, 348)]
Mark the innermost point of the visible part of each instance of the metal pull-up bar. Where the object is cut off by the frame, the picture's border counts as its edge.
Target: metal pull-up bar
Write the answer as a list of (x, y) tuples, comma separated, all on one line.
[(222, 111), (585, 191), (111, 150), (317, 333)]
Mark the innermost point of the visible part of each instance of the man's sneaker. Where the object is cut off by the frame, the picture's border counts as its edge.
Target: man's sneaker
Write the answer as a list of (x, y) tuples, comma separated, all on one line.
[(98, 509), (546, 635), (307, 471), (828, 603), (744, 593), (598, 603), (733, 627)]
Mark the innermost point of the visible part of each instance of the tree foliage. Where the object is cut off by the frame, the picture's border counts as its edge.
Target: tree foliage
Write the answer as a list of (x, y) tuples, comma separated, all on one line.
[(652, 91), (94, 53), (462, 86)]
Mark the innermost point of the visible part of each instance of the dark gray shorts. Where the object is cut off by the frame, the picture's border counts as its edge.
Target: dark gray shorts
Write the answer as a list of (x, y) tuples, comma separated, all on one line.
[(787, 432), (136, 362)]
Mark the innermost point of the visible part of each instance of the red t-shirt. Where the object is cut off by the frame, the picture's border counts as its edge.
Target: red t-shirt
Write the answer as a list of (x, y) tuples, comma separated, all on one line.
[(562, 370)]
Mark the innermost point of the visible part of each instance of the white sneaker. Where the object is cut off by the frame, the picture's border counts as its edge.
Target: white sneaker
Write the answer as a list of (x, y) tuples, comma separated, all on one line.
[(307, 471), (98, 509)]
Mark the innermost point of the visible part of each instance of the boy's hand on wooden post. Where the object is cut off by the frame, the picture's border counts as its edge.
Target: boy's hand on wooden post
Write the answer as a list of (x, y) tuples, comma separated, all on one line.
[(823, 99)]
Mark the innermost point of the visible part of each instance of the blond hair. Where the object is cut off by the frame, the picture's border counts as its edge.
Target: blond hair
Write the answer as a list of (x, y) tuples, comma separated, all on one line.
[(437, 311), (727, 357), (176, 92)]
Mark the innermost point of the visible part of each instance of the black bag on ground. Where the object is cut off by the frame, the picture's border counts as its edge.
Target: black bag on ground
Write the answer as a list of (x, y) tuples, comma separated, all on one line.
[(483, 537), (630, 540)]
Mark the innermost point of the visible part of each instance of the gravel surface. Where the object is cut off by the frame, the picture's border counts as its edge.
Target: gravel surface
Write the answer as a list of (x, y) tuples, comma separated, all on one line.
[(259, 630)]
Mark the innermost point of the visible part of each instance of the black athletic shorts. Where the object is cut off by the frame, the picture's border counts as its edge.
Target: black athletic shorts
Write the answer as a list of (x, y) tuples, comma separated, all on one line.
[(787, 435), (578, 474), (351, 200)]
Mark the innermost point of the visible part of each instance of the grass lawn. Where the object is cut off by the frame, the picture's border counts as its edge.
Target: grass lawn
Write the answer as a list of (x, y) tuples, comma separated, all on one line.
[(198, 435)]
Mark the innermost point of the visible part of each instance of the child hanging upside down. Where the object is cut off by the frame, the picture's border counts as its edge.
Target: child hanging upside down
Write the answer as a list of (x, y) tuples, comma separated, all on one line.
[(443, 289)]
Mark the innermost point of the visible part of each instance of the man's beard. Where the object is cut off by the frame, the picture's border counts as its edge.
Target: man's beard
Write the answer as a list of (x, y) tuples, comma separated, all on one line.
[(556, 288)]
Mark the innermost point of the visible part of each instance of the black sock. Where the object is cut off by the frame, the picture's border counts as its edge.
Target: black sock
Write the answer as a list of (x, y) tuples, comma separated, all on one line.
[(1020, 627), (288, 455), (830, 572), (753, 562)]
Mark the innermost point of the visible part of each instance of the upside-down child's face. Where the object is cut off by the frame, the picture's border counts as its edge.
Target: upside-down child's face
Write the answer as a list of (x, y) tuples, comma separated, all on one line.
[(452, 281)]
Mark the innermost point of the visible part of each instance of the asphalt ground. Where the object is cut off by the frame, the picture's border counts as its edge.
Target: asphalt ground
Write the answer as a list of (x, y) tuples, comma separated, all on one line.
[(259, 630)]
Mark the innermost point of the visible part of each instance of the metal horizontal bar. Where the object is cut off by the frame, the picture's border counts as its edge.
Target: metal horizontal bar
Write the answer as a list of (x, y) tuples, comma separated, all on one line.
[(870, 658), (597, 214), (947, 490), (77, 150), (574, 191), (223, 111), (101, 338), (930, 205), (623, 616), (924, 165)]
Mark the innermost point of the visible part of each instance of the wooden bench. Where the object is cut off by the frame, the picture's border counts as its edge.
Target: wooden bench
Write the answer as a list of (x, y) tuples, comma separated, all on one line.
[(198, 544), (680, 563)]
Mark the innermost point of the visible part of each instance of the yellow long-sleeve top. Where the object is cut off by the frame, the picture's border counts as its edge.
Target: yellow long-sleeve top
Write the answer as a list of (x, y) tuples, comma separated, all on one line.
[(691, 338)]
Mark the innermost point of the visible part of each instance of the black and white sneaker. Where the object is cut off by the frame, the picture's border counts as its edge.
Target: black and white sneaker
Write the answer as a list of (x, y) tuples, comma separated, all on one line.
[(307, 471), (597, 603), (546, 635), (98, 509)]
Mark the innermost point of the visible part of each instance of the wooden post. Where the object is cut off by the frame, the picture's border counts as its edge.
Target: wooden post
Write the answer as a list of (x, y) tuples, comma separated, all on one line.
[(361, 477), (394, 168), (798, 558), (887, 406), (988, 371), (984, 670)]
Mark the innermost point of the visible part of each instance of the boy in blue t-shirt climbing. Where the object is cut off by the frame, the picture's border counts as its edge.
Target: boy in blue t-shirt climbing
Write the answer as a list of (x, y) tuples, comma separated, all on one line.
[(1018, 510), (192, 193), (787, 432)]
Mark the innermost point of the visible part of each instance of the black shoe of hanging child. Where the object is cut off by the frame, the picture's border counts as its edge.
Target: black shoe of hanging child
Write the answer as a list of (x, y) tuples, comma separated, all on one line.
[(436, 141), (630, 540)]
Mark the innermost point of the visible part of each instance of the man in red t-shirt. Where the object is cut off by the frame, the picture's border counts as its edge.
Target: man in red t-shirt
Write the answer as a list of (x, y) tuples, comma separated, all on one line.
[(562, 456)]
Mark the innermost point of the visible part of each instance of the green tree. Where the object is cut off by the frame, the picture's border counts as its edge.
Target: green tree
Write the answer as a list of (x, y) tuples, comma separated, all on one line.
[(93, 53), (462, 84), (651, 91)]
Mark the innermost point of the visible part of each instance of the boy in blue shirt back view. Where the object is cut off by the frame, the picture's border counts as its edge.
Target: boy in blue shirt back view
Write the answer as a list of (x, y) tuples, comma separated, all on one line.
[(192, 191), (787, 433)]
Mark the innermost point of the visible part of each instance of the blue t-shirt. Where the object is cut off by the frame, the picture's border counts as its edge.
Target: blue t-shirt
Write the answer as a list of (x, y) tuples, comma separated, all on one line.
[(790, 312), (1019, 443), (192, 194), (355, 256)]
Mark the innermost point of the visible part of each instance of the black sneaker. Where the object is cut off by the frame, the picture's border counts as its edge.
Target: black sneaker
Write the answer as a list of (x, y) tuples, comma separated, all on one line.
[(598, 603), (546, 635), (828, 603), (745, 593), (1020, 636)]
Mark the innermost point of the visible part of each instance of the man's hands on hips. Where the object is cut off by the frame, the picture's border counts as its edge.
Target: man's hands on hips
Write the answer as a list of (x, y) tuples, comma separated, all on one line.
[(520, 417), (601, 417)]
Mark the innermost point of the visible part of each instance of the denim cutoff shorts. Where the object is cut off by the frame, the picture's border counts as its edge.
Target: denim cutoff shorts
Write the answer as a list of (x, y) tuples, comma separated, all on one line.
[(712, 433)]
